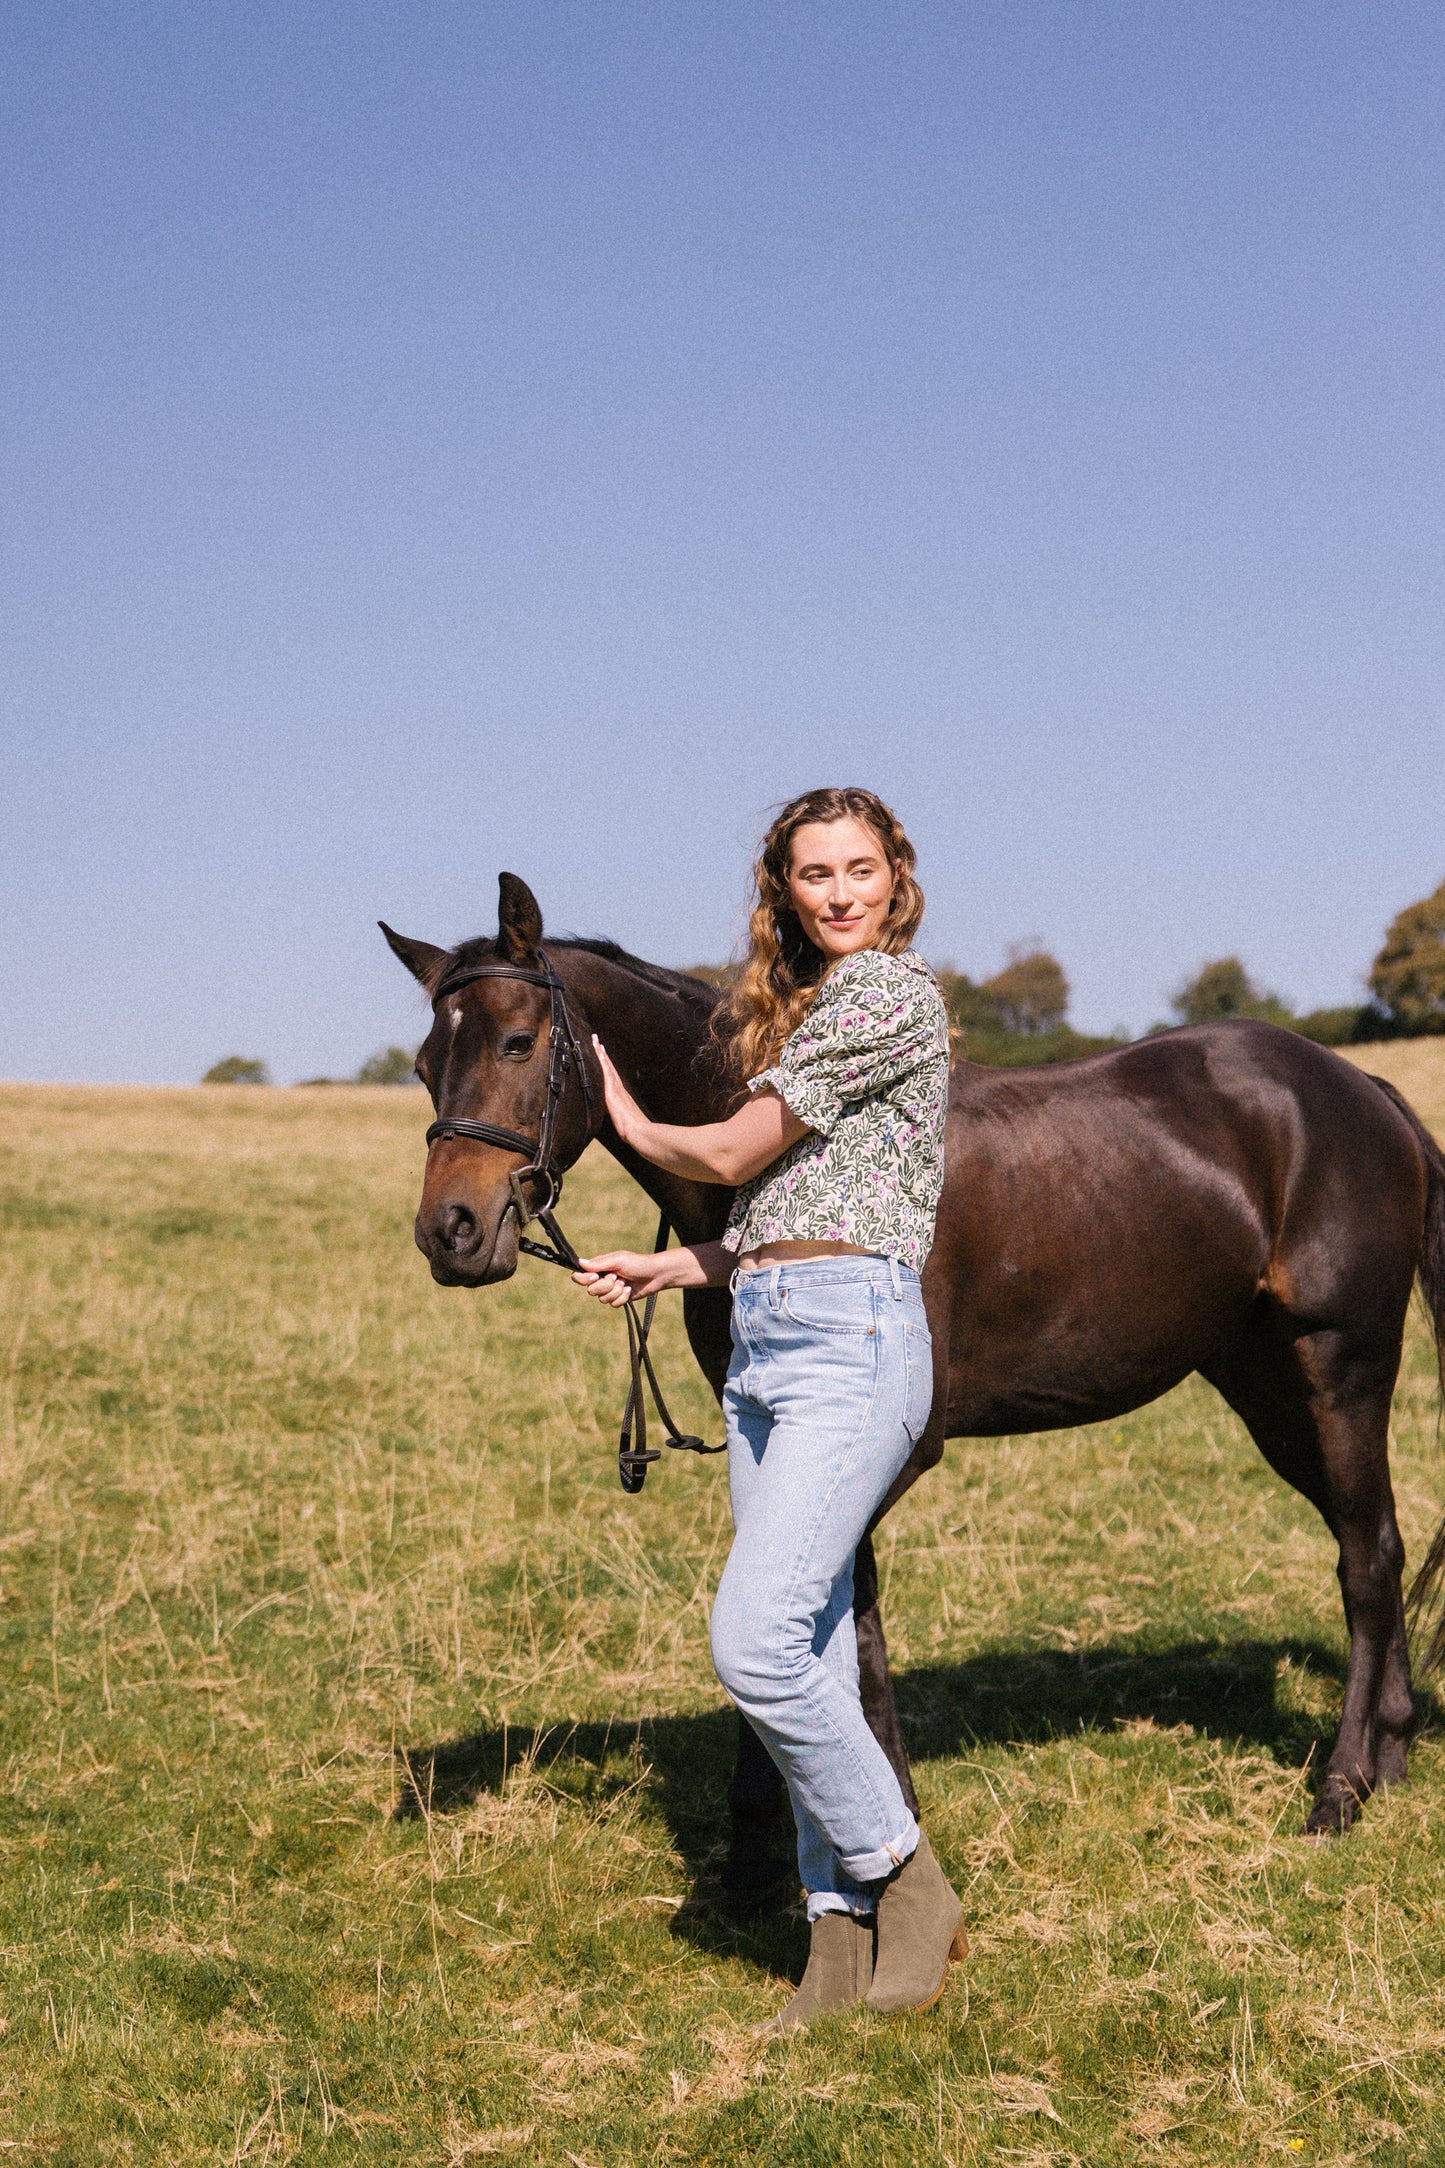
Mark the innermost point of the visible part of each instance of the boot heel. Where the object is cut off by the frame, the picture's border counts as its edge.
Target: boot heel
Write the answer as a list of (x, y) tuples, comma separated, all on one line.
[(958, 1948)]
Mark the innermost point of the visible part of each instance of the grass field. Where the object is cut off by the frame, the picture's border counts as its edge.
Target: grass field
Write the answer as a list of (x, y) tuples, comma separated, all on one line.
[(1416, 1067), (279, 1517)]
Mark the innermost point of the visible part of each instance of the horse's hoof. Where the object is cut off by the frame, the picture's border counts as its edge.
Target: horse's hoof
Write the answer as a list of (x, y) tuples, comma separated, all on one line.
[(1334, 1810)]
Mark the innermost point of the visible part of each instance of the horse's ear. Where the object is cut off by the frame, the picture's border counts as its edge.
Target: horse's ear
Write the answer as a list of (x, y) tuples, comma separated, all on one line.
[(422, 960), (519, 920)]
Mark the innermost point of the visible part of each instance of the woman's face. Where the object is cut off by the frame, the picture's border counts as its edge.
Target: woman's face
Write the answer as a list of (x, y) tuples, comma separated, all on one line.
[(840, 884)]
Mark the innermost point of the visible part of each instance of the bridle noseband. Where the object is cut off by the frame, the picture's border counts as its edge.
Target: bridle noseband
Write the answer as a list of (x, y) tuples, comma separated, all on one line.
[(563, 1054)]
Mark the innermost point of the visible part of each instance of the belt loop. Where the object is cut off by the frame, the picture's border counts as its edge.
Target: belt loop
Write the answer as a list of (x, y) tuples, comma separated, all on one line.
[(897, 1282), (733, 1281), (775, 1300)]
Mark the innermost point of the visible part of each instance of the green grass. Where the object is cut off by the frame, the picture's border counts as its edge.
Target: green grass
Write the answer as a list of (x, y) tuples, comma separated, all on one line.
[(280, 1517)]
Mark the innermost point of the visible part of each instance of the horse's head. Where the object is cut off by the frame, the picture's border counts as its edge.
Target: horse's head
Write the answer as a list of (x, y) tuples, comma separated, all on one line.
[(486, 1059)]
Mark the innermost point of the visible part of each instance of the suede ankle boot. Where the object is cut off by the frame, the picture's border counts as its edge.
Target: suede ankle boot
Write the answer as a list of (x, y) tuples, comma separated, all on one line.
[(840, 1967), (920, 1928)]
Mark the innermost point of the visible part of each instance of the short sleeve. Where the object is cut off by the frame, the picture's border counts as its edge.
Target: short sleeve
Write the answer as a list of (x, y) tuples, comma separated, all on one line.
[(872, 1024)]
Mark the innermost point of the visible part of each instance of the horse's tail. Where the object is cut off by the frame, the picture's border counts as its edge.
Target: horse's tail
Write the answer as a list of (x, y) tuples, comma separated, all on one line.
[(1426, 1586)]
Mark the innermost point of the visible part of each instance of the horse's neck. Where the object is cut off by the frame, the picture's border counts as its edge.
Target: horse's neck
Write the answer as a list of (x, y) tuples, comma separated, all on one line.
[(654, 1038)]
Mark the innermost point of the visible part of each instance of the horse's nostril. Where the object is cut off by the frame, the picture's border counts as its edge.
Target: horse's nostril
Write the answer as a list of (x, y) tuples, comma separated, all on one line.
[(457, 1228)]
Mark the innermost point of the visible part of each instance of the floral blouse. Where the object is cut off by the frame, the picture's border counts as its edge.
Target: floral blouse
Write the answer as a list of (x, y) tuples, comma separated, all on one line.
[(867, 1070)]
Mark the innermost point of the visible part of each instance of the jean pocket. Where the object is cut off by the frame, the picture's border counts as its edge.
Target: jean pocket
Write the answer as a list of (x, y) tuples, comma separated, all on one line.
[(835, 1308), (918, 1400)]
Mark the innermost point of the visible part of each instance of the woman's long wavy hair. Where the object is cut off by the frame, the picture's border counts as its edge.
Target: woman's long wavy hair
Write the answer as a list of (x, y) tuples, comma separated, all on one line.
[(783, 970)]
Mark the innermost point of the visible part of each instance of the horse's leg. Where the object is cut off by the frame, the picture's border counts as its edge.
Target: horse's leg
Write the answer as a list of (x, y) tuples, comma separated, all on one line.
[(1318, 1410), (1395, 1713), (875, 1680), (752, 1868), (1379, 1711)]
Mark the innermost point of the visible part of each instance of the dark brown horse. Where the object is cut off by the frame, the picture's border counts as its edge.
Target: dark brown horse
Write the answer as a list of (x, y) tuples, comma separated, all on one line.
[(1225, 1198)]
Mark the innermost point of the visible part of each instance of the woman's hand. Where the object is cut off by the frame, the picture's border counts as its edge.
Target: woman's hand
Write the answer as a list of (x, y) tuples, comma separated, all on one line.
[(729, 1152), (621, 1275), (626, 1115)]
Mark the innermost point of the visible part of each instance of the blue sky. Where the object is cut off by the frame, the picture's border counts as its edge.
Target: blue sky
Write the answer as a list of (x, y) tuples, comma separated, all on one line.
[(444, 438)]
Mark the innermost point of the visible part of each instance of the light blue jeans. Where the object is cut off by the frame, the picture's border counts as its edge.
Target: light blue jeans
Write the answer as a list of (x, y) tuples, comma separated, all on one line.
[(827, 1394)]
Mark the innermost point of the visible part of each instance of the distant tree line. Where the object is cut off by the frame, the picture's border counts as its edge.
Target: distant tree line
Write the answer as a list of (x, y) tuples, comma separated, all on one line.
[(1014, 1020), (392, 1065), (1019, 1017), (237, 1069)]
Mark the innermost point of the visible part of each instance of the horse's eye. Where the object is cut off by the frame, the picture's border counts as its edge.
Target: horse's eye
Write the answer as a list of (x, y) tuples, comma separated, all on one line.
[(518, 1045)]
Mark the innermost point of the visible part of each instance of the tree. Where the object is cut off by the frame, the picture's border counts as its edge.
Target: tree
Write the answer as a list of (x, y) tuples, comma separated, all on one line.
[(1407, 978), (1334, 1027), (1224, 989), (392, 1066), (237, 1069), (970, 1008), (985, 1036), (1031, 993)]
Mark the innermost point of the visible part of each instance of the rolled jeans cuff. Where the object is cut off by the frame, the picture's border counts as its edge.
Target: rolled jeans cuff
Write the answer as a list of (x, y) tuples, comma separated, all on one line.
[(860, 1905), (877, 1866)]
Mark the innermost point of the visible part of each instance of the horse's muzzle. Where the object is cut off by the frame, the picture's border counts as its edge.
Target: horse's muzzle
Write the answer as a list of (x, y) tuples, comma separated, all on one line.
[(463, 1248)]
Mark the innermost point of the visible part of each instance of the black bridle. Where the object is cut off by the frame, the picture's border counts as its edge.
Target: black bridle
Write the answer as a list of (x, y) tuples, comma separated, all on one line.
[(563, 1055)]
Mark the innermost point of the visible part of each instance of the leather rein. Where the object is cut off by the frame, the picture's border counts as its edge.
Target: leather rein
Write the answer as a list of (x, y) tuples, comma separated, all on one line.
[(563, 1055)]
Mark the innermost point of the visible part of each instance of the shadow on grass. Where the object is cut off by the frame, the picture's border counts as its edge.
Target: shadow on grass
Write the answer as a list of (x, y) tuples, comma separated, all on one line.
[(1223, 1690), (683, 1763)]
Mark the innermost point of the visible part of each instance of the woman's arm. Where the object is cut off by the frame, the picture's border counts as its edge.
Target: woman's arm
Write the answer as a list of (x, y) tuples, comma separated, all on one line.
[(619, 1275), (732, 1151)]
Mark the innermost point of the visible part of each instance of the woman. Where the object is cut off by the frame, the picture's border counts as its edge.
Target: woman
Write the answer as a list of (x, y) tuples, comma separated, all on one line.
[(842, 1037)]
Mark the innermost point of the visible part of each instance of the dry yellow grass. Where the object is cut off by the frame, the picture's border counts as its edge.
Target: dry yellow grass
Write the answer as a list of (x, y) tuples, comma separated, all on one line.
[(1416, 1067), (275, 1507)]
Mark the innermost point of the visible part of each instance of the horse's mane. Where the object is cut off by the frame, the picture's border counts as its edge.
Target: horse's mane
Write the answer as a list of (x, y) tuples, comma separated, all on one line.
[(482, 949)]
